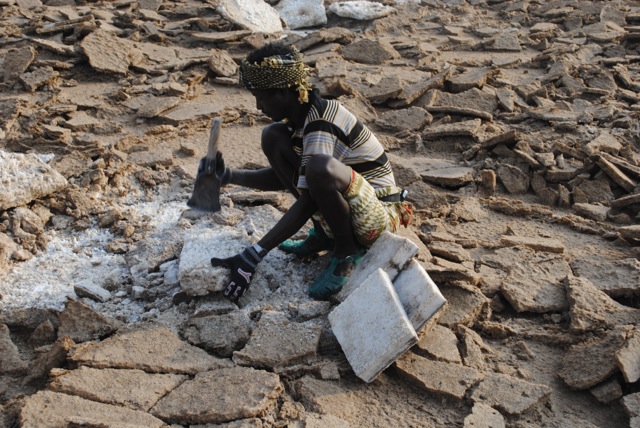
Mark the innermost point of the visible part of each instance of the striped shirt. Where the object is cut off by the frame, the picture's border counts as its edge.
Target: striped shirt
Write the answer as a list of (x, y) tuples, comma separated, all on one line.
[(330, 129)]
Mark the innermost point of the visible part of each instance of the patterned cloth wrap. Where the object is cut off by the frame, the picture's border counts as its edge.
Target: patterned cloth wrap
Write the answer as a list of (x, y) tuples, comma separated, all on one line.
[(277, 72), (369, 215)]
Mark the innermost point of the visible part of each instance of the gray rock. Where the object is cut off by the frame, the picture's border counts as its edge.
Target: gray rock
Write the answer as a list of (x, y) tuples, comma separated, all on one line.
[(49, 358), (510, 395), (474, 102), (223, 395), (222, 64), (536, 243), (412, 118), (319, 395), (631, 404), (17, 61), (134, 389), (451, 177), (219, 334), (153, 349), (452, 380), (513, 178), (607, 391), (464, 304), (44, 334), (628, 358), (278, 342), (470, 78), (25, 178), (41, 76), (48, 408)]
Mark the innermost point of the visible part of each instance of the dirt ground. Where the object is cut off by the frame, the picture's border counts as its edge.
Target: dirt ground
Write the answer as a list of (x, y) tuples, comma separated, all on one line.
[(524, 333)]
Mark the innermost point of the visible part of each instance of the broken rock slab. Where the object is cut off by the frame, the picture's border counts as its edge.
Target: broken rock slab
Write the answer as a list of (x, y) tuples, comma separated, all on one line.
[(441, 344), (151, 348), (278, 342), (483, 415), (53, 409), (510, 395), (372, 326), (81, 323), (597, 359), (10, 360), (197, 276), (551, 245), (107, 52), (452, 380), (616, 278), (464, 304), (390, 253), (24, 178), (221, 395), (538, 287), (628, 358), (219, 334), (592, 309), (134, 389)]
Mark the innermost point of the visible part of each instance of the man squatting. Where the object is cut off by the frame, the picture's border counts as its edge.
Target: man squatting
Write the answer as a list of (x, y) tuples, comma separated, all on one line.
[(332, 163)]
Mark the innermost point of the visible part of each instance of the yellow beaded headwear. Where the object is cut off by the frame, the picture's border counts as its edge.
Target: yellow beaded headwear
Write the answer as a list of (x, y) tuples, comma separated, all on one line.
[(277, 72)]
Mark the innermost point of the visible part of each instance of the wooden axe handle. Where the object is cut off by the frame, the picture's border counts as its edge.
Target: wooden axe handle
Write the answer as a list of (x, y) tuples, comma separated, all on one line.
[(214, 133)]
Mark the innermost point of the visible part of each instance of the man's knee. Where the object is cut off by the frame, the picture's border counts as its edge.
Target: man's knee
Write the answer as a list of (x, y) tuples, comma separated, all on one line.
[(275, 137)]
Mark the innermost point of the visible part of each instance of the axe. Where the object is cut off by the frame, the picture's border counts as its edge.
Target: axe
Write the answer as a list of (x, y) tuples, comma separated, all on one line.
[(206, 189)]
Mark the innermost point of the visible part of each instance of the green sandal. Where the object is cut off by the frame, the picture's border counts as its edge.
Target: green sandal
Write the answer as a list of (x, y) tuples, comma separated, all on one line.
[(311, 245), (328, 284)]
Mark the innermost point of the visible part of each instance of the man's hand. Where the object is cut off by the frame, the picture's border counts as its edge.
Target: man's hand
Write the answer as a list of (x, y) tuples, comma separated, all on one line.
[(242, 266), (221, 172)]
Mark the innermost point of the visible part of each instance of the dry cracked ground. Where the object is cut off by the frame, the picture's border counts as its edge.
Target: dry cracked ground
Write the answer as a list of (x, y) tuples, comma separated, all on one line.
[(513, 124)]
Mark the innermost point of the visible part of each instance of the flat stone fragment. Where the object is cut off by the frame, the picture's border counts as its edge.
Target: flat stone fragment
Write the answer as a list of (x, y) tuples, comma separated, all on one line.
[(254, 15), (221, 395), (87, 288), (591, 211), (81, 323), (107, 52), (592, 309), (367, 51), (418, 294), (412, 118), (390, 253), (597, 360), (467, 128), (448, 379), (508, 394), (41, 76), (219, 334), (372, 327), (53, 409), (278, 342), (513, 178), (450, 251), (17, 61), (10, 361), (470, 78), (618, 277), (153, 349), (464, 304), (631, 404), (24, 178), (628, 358), (440, 343), (189, 111), (537, 287), (474, 102), (452, 177), (197, 276), (483, 415), (134, 389), (630, 232), (550, 245), (222, 64), (607, 391)]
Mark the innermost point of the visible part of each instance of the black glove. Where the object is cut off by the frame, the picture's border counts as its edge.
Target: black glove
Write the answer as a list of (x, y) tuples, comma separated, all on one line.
[(223, 174), (242, 267)]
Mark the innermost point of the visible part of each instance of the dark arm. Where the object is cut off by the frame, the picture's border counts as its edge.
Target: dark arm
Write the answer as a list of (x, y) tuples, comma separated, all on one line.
[(299, 213), (260, 179)]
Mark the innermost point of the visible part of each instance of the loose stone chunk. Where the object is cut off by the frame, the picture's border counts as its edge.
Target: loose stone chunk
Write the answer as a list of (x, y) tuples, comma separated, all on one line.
[(510, 395)]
